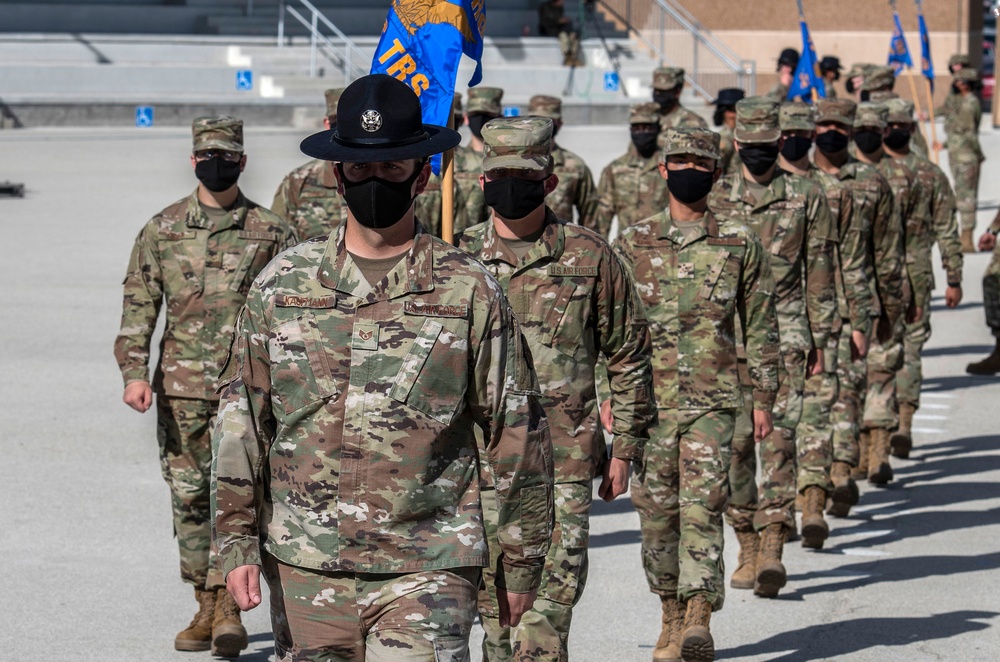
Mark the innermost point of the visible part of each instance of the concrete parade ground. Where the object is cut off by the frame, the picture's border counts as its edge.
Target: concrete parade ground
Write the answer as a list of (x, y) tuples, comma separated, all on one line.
[(90, 569)]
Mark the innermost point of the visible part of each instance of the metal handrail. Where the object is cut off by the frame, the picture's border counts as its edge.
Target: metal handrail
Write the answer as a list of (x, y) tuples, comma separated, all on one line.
[(744, 70), (344, 53)]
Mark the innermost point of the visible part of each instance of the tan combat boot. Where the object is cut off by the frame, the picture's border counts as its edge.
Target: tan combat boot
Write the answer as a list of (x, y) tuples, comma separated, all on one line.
[(967, 244), (860, 472), (198, 635), (988, 366), (746, 570), (879, 469), (229, 636), (815, 530), (697, 644), (901, 440), (771, 575), (668, 646), (845, 491)]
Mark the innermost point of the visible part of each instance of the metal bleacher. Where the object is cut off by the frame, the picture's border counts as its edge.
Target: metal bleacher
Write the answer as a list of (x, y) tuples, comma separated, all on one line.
[(94, 61)]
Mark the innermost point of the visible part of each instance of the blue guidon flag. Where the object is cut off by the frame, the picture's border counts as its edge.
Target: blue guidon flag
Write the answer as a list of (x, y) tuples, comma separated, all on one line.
[(926, 63), (422, 43), (807, 81), (899, 52)]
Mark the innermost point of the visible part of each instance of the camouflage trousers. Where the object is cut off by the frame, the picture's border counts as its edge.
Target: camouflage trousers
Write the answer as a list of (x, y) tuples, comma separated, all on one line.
[(965, 175), (852, 382), (543, 633), (184, 432), (911, 374), (680, 494), (774, 499), (991, 292), (814, 433), (344, 616), (884, 361)]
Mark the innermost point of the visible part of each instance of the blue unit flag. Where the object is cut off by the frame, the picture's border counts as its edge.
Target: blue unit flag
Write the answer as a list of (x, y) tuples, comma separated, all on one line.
[(899, 52), (926, 63), (422, 44), (807, 80)]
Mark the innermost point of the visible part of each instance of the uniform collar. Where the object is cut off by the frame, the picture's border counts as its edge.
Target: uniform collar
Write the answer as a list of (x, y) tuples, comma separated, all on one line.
[(636, 160), (558, 155), (338, 272), (195, 216), (668, 230), (550, 245), (776, 190)]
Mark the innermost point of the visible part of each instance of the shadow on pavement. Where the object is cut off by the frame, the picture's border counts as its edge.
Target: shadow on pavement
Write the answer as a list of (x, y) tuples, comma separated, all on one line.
[(891, 570), (955, 382), (622, 504), (263, 642), (957, 351), (628, 537), (829, 641)]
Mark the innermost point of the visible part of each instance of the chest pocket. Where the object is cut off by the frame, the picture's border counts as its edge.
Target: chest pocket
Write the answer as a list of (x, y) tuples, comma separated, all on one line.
[(722, 277), (243, 265), (434, 374), (567, 314), (182, 258), (301, 369)]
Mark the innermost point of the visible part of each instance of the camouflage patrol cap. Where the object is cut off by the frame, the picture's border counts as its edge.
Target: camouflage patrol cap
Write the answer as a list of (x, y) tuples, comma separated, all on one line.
[(543, 105), (644, 113), (881, 96), (871, 115), (880, 77), (860, 69), (523, 143), (332, 97), (484, 100), (700, 142), (796, 116), (757, 120), (967, 74), (217, 132), (959, 58), (841, 111), (900, 111), (667, 78)]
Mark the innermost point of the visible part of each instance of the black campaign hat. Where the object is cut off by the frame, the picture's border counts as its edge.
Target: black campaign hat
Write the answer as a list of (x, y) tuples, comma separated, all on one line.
[(789, 56), (830, 63), (729, 96), (378, 119)]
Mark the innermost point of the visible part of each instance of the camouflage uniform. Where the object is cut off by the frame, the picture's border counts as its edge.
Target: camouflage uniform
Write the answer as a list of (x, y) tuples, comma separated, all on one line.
[(669, 78), (885, 356), (200, 266), (576, 183), (469, 162), (307, 197), (918, 144), (729, 162), (991, 286), (345, 451), (861, 200), (631, 186), (778, 92), (694, 287), (575, 304), (427, 206), (964, 152), (814, 436), (793, 221), (934, 219)]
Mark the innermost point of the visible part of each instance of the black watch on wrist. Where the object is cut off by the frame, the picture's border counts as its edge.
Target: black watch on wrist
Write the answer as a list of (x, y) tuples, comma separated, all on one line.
[(993, 232), (954, 285)]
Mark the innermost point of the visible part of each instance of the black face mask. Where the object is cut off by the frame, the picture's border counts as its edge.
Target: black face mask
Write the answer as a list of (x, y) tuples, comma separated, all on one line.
[(378, 203), (690, 185), (666, 98), (897, 139), (645, 143), (513, 197), (831, 142), (849, 85), (868, 141), (759, 158), (796, 147), (217, 174), (476, 123), (866, 95), (954, 89)]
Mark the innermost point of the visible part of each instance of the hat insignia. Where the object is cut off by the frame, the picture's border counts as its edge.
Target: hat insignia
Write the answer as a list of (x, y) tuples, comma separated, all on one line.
[(371, 121)]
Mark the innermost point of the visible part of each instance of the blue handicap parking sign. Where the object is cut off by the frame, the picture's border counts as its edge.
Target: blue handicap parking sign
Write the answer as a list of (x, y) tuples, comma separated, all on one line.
[(143, 116), (511, 111), (244, 80), (611, 83)]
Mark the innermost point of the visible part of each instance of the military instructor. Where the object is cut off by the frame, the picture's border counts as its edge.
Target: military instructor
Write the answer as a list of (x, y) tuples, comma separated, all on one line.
[(346, 467)]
